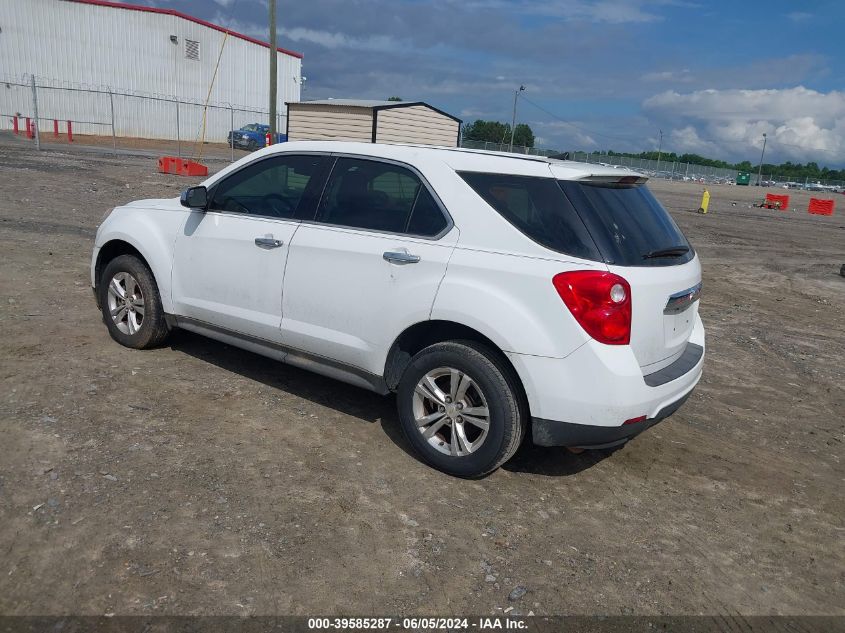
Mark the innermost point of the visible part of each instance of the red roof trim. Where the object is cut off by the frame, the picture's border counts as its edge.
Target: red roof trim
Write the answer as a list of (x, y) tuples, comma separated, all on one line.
[(184, 16)]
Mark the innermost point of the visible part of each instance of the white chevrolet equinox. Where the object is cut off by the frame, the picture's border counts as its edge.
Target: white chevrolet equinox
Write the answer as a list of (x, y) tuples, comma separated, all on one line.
[(493, 293)]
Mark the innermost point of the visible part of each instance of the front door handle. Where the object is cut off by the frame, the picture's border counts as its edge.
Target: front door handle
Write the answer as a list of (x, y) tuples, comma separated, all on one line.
[(268, 242), (400, 257)]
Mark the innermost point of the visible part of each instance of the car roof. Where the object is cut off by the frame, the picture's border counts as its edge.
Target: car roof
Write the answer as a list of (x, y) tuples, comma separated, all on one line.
[(464, 159)]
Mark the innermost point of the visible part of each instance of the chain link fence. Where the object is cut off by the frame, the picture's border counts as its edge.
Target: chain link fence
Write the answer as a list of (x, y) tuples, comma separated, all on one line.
[(668, 170), (51, 111)]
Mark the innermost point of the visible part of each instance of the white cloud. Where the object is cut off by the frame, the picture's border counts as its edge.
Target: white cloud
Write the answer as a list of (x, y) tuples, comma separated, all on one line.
[(332, 40), (327, 39), (800, 16), (800, 123), (258, 31), (478, 113), (686, 140), (564, 135), (607, 11), (672, 76)]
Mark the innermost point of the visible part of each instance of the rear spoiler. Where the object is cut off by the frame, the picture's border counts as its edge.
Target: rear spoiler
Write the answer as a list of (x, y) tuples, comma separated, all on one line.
[(612, 180)]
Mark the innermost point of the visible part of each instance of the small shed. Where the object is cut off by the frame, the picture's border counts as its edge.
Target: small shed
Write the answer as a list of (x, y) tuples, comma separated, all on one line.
[(371, 122)]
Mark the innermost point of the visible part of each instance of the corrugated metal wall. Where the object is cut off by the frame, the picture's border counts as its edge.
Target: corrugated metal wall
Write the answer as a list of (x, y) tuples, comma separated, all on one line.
[(320, 122), (416, 124), (71, 47), (409, 124)]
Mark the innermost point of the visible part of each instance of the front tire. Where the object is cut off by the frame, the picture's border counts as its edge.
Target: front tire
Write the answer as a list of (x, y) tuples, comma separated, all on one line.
[(131, 304), (461, 409)]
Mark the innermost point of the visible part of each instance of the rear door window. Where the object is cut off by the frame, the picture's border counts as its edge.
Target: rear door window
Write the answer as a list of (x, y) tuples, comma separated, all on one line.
[(426, 219), (377, 196)]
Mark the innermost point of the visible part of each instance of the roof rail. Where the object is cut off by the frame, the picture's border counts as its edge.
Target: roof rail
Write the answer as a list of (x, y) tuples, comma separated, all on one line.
[(484, 152)]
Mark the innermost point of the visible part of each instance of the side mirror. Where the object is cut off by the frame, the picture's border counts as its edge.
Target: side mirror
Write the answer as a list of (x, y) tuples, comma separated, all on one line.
[(195, 197)]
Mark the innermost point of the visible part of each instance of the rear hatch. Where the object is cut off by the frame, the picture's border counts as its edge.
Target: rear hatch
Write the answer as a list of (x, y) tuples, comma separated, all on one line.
[(639, 241), (610, 216)]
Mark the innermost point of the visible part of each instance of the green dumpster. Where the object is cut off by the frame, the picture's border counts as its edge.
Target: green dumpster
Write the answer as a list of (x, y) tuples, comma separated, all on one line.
[(743, 178)]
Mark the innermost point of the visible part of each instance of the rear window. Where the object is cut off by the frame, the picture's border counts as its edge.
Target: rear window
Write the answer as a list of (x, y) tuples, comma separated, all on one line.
[(624, 226), (629, 225)]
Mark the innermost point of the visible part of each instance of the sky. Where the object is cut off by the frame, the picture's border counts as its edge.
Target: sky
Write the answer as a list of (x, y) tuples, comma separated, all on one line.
[(712, 75)]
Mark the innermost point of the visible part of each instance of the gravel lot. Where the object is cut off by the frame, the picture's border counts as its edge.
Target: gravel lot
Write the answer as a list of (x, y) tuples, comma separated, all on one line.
[(200, 479)]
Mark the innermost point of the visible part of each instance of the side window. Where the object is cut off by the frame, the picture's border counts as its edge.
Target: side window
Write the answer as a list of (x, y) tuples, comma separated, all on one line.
[(272, 187), (380, 197), (538, 208), (426, 219)]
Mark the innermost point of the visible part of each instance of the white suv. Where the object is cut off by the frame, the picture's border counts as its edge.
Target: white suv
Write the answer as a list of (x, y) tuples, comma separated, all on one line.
[(493, 293)]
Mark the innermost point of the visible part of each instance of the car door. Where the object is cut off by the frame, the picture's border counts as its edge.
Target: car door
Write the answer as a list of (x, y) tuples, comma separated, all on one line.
[(229, 260), (368, 266)]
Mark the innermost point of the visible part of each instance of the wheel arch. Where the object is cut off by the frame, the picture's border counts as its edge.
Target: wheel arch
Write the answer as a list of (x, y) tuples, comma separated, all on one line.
[(424, 333), (113, 249)]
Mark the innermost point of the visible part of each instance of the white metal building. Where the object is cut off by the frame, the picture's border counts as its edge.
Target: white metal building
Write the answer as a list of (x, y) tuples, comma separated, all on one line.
[(372, 122), (80, 51)]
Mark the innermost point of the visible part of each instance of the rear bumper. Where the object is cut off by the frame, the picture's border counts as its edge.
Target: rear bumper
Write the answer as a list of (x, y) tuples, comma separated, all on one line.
[(584, 398), (551, 433)]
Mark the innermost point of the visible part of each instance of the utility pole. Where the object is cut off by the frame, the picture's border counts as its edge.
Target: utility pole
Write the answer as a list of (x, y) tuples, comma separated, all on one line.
[(760, 168), (659, 148), (35, 112), (513, 121), (273, 78), (113, 135)]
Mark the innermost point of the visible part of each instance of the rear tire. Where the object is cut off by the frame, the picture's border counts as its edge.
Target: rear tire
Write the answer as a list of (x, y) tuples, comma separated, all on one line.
[(461, 409), (131, 304)]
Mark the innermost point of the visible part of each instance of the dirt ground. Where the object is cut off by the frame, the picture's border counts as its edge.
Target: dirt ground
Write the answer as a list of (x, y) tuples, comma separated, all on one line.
[(200, 479)]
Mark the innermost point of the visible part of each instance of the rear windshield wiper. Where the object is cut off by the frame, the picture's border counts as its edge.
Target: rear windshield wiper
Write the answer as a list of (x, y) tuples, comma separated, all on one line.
[(672, 251)]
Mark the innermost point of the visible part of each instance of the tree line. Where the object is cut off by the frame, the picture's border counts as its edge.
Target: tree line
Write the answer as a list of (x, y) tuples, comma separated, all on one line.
[(789, 170), (497, 132)]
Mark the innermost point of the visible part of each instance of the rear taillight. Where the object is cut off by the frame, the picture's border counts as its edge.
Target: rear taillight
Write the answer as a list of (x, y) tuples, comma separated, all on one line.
[(600, 302)]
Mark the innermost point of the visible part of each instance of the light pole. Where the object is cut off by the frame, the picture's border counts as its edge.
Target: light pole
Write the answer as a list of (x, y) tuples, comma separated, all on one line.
[(659, 148), (273, 78), (760, 168), (513, 121)]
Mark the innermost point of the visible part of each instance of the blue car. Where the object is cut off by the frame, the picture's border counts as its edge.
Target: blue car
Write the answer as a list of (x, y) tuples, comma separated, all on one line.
[(252, 136)]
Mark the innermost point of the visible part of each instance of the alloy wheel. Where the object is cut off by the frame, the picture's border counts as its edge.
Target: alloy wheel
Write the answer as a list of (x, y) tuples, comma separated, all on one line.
[(126, 303), (451, 411)]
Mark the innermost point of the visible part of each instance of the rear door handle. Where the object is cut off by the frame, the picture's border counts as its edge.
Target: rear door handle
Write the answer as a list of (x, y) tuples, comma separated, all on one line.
[(268, 242), (400, 258)]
